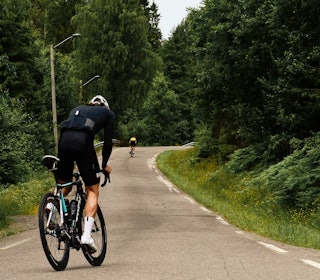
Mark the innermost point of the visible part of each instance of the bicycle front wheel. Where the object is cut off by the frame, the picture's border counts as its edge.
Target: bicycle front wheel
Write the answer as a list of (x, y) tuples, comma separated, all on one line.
[(55, 246), (99, 235)]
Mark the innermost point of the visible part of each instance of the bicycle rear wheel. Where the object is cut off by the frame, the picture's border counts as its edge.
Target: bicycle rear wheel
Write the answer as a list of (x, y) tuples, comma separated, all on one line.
[(56, 248), (99, 235)]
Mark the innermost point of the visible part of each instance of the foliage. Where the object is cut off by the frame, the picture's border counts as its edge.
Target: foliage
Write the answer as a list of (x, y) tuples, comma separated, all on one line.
[(259, 155), (159, 120), (255, 66), (115, 45), (51, 20), (153, 15), (67, 87), (177, 55), (294, 182), (132, 124), (17, 159), (22, 67), (18, 51), (164, 123), (204, 139), (23, 198)]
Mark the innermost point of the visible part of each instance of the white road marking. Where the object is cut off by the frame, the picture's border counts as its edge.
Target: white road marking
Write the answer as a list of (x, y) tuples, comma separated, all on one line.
[(205, 209), (168, 184), (150, 163), (273, 248), (16, 244), (152, 166), (189, 199), (312, 263), (222, 221)]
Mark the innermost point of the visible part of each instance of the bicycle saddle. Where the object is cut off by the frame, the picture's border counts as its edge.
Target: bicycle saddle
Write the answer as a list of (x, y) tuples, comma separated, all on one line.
[(51, 162)]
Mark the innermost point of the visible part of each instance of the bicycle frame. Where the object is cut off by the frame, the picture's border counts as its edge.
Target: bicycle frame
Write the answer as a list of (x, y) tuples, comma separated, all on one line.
[(62, 203), (63, 207)]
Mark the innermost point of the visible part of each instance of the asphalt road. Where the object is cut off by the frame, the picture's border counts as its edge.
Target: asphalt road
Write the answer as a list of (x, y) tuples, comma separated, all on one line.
[(155, 231)]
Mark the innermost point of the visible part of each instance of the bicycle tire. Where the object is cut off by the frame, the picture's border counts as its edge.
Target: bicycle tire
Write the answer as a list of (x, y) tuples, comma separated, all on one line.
[(99, 235), (56, 249)]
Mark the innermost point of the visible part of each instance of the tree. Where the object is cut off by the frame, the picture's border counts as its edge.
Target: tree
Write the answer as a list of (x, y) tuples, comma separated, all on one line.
[(155, 35), (180, 70), (19, 50), (22, 65), (115, 45), (258, 65), (52, 20), (162, 119), (218, 81)]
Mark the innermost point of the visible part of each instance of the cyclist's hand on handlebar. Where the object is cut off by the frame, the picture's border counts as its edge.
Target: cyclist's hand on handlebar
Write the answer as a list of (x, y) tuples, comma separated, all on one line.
[(107, 169), (106, 172)]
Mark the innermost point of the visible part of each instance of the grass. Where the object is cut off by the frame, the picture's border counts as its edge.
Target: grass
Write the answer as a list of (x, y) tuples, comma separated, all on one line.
[(249, 207), (22, 199)]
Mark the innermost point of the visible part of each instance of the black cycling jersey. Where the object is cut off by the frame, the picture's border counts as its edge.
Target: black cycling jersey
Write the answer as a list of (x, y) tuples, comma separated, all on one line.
[(92, 119), (76, 142)]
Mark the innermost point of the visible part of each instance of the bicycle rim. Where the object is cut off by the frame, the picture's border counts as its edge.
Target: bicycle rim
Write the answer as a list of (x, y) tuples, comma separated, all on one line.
[(99, 235), (55, 247)]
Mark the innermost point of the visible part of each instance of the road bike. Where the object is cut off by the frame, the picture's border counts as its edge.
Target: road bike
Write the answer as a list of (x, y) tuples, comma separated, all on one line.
[(61, 222)]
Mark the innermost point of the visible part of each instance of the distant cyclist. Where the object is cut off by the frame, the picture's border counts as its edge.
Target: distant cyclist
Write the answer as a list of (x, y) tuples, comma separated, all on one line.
[(76, 145), (132, 144)]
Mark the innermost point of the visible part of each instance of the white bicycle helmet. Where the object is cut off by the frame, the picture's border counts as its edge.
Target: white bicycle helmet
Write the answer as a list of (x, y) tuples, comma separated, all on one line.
[(100, 101)]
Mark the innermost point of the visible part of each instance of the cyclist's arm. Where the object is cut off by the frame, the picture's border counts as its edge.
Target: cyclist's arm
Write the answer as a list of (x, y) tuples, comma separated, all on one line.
[(108, 135)]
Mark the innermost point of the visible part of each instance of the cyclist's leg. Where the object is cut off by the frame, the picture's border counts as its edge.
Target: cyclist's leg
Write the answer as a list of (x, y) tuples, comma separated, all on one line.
[(66, 163), (92, 201), (90, 172), (99, 234)]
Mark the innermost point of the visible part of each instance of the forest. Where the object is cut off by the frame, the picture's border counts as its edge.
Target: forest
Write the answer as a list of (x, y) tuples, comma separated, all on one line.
[(239, 77)]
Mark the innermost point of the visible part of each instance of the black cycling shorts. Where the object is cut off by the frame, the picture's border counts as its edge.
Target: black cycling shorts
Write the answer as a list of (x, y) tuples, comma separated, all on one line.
[(132, 143), (77, 146)]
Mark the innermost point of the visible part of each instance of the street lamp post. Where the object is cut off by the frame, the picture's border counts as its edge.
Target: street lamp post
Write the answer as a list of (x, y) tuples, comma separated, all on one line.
[(53, 90), (82, 85)]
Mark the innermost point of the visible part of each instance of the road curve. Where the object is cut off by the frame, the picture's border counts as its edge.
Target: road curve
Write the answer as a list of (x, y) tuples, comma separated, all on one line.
[(155, 231)]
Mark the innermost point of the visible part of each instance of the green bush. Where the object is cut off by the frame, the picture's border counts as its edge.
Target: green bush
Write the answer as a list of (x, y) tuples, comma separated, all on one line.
[(23, 198), (207, 145), (17, 144), (295, 181), (259, 155)]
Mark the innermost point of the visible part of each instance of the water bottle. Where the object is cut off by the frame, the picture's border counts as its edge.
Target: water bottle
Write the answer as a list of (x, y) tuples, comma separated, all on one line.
[(73, 208)]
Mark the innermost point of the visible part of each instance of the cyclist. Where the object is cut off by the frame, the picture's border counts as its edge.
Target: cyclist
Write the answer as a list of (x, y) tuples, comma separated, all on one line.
[(132, 143), (76, 145)]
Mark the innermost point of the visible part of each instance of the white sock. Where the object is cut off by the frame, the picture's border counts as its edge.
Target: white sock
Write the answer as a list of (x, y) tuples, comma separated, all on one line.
[(88, 224)]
